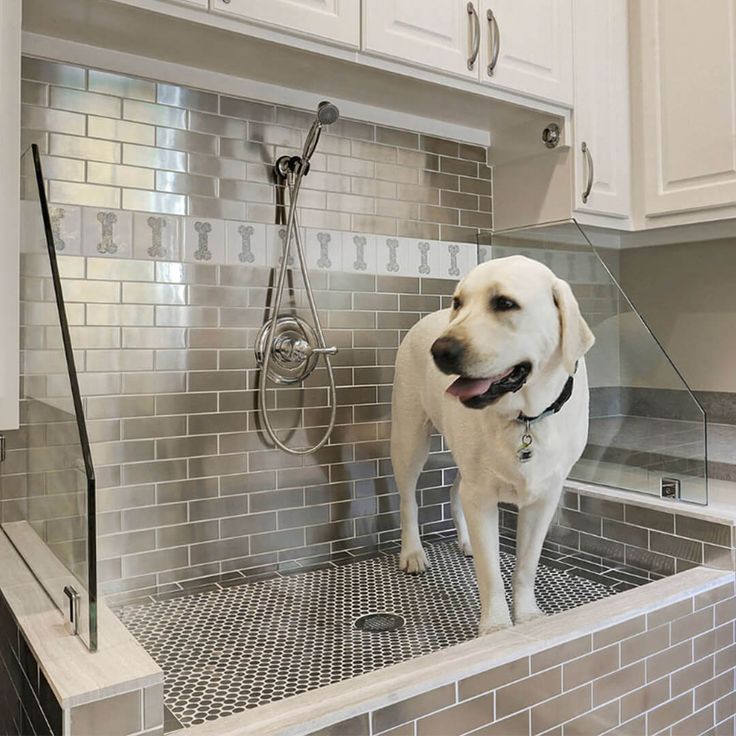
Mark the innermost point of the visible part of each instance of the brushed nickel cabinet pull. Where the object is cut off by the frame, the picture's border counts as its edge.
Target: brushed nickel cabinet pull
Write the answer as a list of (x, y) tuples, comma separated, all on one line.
[(475, 27), (589, 166), (495, 41)]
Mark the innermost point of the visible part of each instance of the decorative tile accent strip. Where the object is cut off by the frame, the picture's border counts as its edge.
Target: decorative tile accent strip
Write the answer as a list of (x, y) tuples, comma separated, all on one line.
[(202, 241)]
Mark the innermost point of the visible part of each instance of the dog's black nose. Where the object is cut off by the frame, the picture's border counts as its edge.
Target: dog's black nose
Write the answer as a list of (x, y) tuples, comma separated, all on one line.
[(447, 352)]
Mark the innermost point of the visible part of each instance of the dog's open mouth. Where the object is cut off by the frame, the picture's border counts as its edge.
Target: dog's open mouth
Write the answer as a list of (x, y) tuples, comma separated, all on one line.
[(476, 393)]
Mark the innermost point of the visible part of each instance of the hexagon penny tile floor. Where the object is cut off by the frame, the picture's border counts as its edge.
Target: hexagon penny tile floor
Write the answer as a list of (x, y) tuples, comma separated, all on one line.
[(230, 649)]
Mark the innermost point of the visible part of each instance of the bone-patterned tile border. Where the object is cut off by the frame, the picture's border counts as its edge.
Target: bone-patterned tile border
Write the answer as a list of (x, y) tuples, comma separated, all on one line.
[(105, 233), (123, 143)]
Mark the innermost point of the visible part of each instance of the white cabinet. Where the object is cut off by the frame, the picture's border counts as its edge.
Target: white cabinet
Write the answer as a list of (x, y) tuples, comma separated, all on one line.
[(531, 44), (10, 17), (601, 113), (688, 105), (332, 20), (443, 35)]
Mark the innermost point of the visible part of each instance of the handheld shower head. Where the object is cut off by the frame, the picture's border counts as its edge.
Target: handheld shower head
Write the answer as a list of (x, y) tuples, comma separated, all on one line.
[(327, 113)]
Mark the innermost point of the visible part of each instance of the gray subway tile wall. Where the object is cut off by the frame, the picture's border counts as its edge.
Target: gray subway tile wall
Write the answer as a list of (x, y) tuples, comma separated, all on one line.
[(187, 486), (120, 142)]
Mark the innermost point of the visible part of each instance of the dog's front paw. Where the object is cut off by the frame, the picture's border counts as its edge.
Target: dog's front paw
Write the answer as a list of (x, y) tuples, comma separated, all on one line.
[(465, 547), (413, 560), (493, 623), (528, 614)]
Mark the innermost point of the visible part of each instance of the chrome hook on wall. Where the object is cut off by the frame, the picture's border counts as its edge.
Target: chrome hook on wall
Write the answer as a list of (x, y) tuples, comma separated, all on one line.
[(552, 135)]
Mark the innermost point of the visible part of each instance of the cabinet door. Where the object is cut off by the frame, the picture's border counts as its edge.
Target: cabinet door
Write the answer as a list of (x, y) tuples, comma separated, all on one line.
[(532, 43), (601, 115), (10, 19), (440, 34), (688, 101), (334, 20)]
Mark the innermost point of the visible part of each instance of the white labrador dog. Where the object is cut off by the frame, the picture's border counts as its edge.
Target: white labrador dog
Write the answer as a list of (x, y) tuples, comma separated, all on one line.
[(515, 420)]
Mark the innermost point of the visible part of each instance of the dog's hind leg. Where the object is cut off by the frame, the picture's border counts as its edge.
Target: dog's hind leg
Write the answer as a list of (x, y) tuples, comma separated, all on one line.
[(461, 526), (410, 431)]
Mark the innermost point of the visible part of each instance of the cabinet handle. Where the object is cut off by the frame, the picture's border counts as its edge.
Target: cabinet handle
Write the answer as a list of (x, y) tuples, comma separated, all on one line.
[(589, 165), (495, 41), (475, 26)]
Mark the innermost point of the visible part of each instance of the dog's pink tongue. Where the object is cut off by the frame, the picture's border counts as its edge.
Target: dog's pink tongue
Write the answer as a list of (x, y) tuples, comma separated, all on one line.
[(466, 388)]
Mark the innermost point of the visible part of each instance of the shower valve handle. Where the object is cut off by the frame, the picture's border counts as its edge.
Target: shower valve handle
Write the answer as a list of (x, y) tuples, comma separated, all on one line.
[(324, 351)]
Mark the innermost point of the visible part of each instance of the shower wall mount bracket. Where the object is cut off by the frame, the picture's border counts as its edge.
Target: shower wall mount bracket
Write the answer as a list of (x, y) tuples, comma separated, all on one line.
[(294, 351)]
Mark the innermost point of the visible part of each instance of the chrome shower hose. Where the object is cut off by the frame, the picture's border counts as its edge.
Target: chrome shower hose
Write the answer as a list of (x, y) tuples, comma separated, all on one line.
[(293, 182)]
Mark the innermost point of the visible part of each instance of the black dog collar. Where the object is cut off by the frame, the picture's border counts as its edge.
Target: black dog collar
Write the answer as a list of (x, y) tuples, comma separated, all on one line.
[(525, 452), (553, 408)]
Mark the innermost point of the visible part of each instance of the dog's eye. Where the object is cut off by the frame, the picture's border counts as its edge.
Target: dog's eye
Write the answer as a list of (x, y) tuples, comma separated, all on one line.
[(456, 303), (503, 304)]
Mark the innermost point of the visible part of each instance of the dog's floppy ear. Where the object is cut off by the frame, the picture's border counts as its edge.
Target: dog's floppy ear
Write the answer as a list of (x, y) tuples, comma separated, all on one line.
[(575, 335)]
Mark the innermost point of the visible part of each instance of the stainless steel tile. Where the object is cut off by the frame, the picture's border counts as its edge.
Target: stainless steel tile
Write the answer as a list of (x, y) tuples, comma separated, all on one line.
[(53, 73), (153, 383), (34, 93), (394, 137), (373, 151), (155, 158), (154, 114), (68, 169), (186, 273), (186, 141), (117, 314), (120, 176), (171, 94), (211, 207), (181, 534), (216, 166), (154, 427), (119, 406), (148, 562), (121, 86), (53, 121), (85, 148), (89, 195), (186, 316), (183, 360), (167, 448), (119, 360), (154, 337), (85, 102), (120, 130), (216, 125), (27, 139), (274, 134), (167, 204), (246, 191), (246, 150), (169, 181), (186, 404), (247, 110)]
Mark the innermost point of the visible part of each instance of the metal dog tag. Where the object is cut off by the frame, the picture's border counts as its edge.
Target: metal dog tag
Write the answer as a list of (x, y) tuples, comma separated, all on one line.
[(525, 452)]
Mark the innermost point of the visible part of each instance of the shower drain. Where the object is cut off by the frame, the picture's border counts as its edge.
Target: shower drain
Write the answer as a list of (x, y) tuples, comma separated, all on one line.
[(376, 622)]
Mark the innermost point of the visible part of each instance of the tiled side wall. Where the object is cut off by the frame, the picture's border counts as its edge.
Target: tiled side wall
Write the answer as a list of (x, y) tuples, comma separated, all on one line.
[(28, 706), (627, 535), (666, 673)]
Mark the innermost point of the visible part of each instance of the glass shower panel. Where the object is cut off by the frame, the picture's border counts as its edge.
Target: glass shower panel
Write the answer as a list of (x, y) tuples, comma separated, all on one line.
[(642, 438), (51, 520)]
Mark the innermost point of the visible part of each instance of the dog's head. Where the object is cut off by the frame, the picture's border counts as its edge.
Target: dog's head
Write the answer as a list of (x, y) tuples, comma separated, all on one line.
[(509, 317)]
